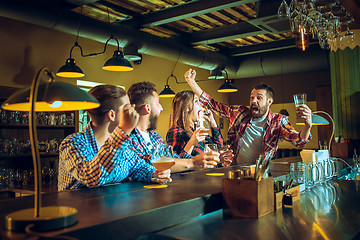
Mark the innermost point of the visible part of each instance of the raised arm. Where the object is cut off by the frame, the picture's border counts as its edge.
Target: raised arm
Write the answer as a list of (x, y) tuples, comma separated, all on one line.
[(190, 79)]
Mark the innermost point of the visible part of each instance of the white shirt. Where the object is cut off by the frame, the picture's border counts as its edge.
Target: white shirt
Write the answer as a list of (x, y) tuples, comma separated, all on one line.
[(146, 136), (250, 145)]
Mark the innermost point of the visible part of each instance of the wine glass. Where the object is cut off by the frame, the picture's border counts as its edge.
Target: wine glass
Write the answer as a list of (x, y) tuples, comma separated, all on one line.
[(163, 159), (283, 10)]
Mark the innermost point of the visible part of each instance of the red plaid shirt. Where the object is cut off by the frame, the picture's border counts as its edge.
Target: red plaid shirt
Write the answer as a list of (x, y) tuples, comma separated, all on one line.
[(277, 126), (178, 138)]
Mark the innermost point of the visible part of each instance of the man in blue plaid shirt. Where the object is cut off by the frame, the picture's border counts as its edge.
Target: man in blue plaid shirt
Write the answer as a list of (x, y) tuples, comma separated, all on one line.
[(100, 153), (144, 138)]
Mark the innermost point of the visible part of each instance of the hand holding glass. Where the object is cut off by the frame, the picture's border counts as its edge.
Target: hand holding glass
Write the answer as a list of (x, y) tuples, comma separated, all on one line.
[(163, 157), (299, 100), (162, 160), (202, 123), (204, 127), (210, 147)]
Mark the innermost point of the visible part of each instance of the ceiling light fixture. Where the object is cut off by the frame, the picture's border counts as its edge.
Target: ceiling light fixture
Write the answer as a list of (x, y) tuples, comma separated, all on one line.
[(116, 63), (167, 92), (51, 96), (228, 86)]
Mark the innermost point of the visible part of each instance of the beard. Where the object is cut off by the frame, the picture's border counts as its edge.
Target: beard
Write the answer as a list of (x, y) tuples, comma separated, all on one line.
[(259, 111), (153, 122)]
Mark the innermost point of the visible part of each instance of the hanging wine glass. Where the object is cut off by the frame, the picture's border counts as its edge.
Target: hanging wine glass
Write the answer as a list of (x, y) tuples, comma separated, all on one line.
[(283, 10)]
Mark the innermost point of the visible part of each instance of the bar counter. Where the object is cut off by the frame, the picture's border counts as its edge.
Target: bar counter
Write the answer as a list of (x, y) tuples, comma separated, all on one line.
[(191, 208)]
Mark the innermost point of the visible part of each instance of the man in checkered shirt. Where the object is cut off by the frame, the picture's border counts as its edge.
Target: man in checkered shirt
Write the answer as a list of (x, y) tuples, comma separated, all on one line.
[(100, 153), (255, 130)]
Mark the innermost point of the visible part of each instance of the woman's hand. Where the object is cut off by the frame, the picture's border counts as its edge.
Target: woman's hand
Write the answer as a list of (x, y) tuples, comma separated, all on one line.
[(209, 117), (190, 76), (196, 137), (206, 160)]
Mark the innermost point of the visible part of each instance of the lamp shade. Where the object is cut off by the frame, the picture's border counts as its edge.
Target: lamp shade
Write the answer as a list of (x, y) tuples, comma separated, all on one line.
[(316, 121), (118, 63), (167, 92), (227, 87), (70, 70), (53, 96)]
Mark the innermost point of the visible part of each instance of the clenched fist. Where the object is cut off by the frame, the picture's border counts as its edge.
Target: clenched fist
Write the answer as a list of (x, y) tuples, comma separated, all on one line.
[(190, 75), (129, 117)]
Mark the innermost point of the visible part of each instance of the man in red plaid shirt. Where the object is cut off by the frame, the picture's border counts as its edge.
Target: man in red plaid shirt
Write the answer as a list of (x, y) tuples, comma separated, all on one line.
[(256, 130)]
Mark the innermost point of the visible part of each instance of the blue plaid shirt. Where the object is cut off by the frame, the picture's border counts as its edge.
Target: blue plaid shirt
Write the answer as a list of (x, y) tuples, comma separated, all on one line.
[(138, 145), (82, 163)]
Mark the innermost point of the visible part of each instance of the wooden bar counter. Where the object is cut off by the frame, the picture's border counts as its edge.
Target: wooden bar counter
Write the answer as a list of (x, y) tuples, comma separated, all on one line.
[(129, 211)]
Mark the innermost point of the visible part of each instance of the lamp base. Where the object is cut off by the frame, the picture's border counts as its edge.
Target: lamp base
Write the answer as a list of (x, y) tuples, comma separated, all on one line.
[(51, 218)]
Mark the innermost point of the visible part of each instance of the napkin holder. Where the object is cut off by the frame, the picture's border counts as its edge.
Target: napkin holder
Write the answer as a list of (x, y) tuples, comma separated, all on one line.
[(247, 198)]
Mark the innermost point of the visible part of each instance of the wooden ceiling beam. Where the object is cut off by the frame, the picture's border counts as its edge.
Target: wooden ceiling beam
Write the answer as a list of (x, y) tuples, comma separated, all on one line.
[(250, 28), (182, 11)]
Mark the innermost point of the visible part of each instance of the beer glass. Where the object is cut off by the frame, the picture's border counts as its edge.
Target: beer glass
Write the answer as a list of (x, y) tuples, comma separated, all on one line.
[(163, 159), (202, 123), (300, 172), (311, 175), (299, 99)]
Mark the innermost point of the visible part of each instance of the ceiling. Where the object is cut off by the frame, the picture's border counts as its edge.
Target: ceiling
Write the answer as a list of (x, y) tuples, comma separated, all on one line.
[(201, 33), (230, 27)]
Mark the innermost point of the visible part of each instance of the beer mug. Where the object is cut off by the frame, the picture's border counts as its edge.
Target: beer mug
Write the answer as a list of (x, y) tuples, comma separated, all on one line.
[(321, 166), (330, 168), (311, 175)]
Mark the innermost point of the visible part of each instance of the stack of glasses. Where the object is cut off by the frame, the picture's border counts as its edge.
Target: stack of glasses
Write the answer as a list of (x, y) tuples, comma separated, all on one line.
[(316, 168)]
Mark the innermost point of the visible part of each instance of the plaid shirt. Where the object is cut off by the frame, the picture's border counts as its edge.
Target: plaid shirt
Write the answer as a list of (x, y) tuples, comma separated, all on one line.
[(178, 138), (82, 163), (138, 145), (277, 126)]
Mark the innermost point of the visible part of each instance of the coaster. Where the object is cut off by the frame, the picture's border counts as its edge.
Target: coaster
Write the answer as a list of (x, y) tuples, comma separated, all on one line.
[(215, 174), (156, 186)]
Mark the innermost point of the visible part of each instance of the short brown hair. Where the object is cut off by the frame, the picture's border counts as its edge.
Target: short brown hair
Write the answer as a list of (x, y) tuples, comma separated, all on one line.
[(109, 97), (140, 92), (182, 107), (269, 90)]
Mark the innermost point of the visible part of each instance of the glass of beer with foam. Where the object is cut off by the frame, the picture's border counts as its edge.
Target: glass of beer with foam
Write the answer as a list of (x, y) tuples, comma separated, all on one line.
[(163, 159)]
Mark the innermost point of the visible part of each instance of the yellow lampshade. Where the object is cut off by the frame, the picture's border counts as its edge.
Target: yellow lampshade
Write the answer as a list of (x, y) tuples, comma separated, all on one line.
[(50, 96), (227, 87), (118, 63), (60, 96), (70, 70)]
